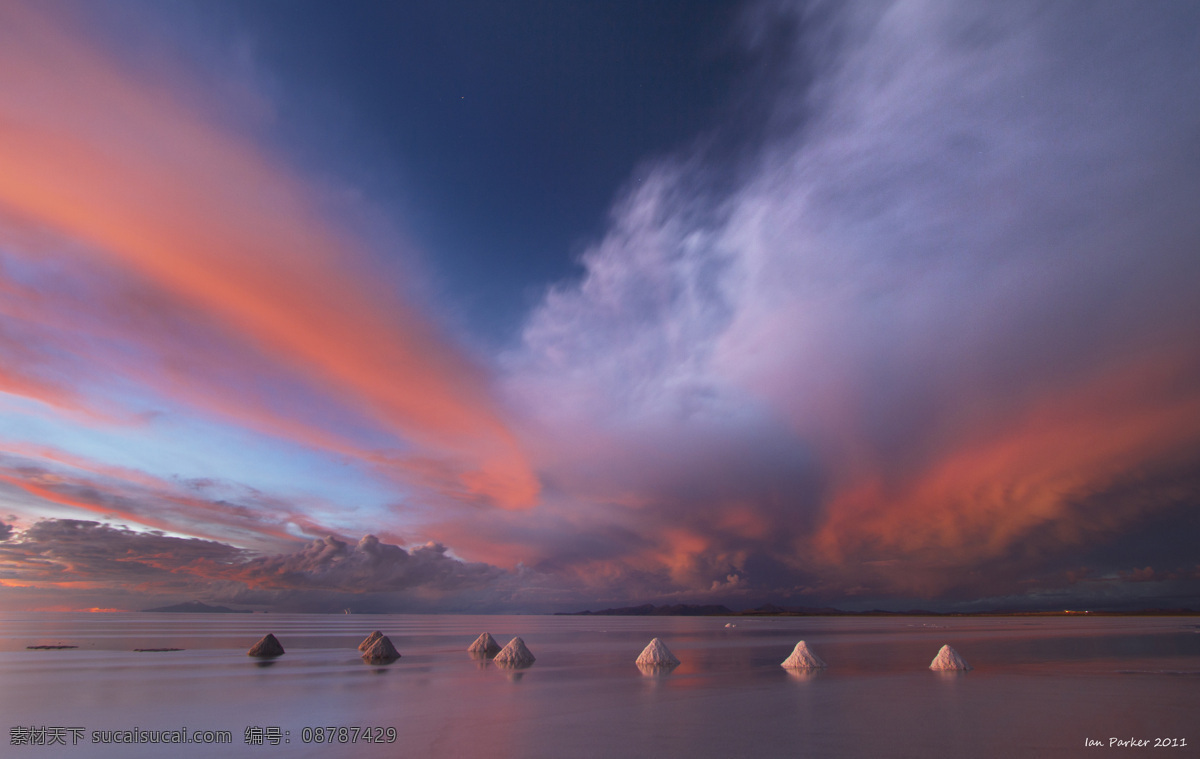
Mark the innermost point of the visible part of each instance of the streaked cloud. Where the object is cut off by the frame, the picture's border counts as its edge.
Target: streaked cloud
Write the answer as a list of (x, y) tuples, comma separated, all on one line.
[(47, 482), (122, 172)]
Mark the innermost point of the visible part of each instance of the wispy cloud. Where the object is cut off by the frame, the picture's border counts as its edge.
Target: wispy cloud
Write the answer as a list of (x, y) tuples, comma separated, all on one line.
[(36, 480)]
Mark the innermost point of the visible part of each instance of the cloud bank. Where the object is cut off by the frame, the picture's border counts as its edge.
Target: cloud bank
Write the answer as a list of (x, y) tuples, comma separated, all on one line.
[(96, 563), (942, 331)]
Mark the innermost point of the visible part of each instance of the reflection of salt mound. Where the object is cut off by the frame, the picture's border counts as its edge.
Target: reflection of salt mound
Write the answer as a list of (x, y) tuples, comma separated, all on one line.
[(657, 655), (515, 654), (369, 640), (381, 651), (485, 645), (802, 658), (266, 648), (948, 658), (803, 675), (656, 670)]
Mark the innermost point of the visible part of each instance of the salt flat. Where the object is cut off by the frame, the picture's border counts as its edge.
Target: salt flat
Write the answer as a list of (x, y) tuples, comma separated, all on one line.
[(1039, 687)]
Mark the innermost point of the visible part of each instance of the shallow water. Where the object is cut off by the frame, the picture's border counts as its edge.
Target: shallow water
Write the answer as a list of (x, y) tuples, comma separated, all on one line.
[(1040, 686)]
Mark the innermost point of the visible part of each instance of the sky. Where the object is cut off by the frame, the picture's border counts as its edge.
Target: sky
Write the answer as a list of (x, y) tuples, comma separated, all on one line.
[(543, 306)]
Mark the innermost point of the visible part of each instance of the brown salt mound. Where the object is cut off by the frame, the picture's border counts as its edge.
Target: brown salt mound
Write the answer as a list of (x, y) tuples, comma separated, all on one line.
[(369, 640), (266, 648), (381, 652)]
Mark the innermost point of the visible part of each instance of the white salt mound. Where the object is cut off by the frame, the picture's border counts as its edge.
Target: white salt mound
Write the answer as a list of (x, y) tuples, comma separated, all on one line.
[(515, 654), (381, 651), (948, 658), (485, 644), (803, 658), (369, 640), (657, 654)]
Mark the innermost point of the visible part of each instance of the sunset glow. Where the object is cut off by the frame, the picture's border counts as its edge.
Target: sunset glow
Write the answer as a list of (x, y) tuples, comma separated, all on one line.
[(895, 307)]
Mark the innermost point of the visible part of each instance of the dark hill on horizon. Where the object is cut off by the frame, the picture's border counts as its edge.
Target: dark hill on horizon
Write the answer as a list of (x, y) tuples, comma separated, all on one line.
[(196, 607)]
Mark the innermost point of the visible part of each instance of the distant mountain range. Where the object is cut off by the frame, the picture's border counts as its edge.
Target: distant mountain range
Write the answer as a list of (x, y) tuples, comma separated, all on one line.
[(771, 610), (649, 610), (719, 610), (195, 607)]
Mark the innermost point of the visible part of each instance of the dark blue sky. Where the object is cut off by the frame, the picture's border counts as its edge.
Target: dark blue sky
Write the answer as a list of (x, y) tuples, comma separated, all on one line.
[(505, 130)]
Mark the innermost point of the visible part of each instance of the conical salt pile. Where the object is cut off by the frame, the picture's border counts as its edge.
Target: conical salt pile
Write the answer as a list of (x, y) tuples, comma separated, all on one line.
[(948, 658), (515, 654), (485, 645), (266, 648), (369, 640), (657, 655), (381, 651), (803, 658)]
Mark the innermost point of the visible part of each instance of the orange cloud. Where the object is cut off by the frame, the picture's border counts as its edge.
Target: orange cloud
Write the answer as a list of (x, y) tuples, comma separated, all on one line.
[(86, 504), (47, 453), (137, 498), (1030, 476), (146, 183)]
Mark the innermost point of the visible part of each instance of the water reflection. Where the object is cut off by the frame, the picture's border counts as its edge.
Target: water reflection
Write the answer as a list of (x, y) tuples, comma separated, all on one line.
[(799, 675), (514, 673), (656, 670), (949, 675)]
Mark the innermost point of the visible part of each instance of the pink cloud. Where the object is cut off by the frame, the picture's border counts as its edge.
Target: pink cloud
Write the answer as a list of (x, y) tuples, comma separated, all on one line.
[(146, 183)]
